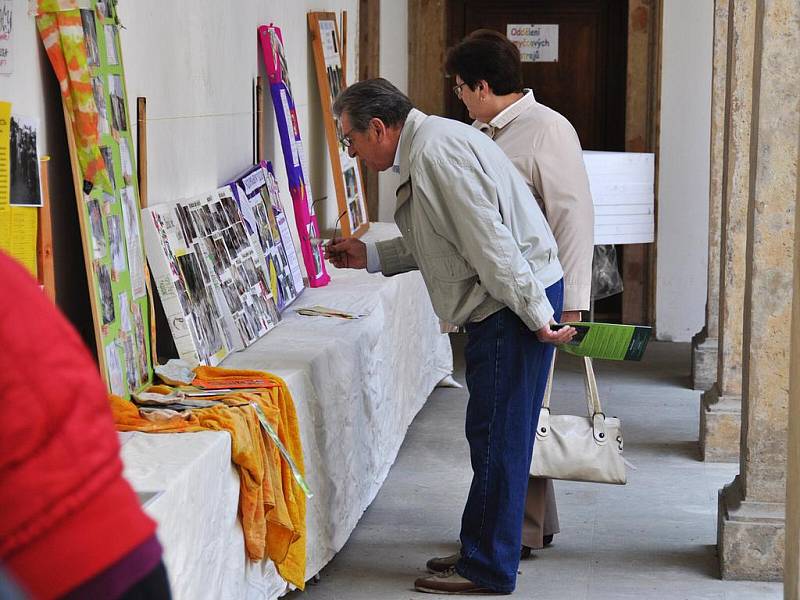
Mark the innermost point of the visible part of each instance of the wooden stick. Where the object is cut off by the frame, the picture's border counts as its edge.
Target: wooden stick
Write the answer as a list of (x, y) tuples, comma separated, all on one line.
[(259, 112), (141, 171), (141, 142), (44, 247), (343, 45)]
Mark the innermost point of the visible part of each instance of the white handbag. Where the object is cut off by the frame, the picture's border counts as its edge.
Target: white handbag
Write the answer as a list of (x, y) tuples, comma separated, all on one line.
[(578, 448)]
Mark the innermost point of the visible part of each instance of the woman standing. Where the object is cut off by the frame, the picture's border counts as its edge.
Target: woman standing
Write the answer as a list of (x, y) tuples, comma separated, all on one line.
[(545, 148)]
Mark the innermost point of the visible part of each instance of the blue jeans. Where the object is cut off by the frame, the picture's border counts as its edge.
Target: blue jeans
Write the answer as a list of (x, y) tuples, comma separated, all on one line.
[(506, 372)]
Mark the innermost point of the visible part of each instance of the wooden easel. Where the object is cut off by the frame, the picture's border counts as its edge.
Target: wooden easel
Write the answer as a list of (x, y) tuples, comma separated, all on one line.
[(335, 151)]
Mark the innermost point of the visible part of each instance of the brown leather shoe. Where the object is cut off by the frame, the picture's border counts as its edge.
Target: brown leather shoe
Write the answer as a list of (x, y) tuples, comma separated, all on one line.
[(440, 564), (453, 584)]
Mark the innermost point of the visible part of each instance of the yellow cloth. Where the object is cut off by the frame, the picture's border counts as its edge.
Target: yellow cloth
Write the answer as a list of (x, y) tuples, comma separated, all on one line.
[(271, 504)]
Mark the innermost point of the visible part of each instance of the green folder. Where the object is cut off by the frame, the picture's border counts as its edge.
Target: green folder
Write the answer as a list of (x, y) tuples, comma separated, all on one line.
[(607, 340)]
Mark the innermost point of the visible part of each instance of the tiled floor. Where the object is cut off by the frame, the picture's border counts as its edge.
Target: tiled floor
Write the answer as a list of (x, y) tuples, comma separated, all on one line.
[(653, 538)]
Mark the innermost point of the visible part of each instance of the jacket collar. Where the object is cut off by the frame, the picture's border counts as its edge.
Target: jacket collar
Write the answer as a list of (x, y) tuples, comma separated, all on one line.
[(412, 124), (508, 114)]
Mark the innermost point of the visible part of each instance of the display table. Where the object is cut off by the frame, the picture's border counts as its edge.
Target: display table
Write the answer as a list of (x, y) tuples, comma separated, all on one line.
[(356, 385)]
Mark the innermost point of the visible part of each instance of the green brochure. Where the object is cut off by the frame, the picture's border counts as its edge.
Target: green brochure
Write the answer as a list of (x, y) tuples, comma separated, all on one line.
[(607, 340)]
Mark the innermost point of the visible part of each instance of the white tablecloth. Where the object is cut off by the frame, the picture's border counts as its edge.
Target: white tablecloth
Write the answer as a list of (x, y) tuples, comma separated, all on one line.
[(356, 385)]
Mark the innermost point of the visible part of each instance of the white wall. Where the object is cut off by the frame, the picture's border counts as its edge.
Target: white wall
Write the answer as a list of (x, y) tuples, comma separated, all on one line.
[(33, 91), (683, 181), (195, 61), (394, 67)]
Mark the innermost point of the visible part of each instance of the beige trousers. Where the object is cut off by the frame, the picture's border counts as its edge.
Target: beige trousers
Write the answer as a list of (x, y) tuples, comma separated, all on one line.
[(541, 513)]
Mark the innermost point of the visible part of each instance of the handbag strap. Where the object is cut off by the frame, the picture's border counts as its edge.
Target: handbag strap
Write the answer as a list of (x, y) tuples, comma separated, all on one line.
[(593, 405), (592, 395), (549, 386)]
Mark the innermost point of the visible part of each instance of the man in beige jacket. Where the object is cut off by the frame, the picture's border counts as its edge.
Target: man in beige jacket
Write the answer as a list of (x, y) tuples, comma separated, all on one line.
[(489, 263), (546, 150)]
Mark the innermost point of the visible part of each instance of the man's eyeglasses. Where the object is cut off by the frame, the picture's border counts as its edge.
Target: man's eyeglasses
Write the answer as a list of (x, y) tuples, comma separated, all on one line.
[(457, 89), (346, 140)]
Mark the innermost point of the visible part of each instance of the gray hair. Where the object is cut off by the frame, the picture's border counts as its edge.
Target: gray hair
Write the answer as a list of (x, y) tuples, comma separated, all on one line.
[(370, 99)]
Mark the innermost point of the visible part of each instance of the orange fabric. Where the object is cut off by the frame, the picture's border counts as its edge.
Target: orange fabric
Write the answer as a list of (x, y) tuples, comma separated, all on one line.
[(271, 504)]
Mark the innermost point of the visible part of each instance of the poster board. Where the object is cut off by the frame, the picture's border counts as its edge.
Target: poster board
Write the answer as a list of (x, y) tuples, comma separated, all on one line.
[(215, 297), (258, 199), (109, 218), (325, 42), (293, 153)]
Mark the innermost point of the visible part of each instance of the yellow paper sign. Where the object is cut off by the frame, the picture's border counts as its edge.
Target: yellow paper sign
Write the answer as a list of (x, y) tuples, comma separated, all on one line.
[(18, 234)]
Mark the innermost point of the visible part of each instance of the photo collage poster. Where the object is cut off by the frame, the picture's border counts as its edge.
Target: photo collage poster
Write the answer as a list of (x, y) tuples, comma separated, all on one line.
[(259, 203), (215, 294), (331, 79), (293, 154), (110, 218)]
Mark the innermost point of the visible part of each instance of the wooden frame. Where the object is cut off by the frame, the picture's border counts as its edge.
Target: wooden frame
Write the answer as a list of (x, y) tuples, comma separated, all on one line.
[(346, 171), (113, 250)]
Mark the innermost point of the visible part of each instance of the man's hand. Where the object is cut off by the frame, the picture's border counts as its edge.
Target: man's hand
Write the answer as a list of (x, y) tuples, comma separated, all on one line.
[(347, 253), (570, 316), (548, 336)]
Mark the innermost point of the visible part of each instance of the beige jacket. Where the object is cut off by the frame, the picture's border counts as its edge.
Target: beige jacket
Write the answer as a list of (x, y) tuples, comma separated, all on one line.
[(544, 147), (464, 214)]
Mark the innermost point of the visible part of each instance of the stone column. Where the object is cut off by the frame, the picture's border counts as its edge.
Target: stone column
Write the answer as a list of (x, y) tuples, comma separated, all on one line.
[(704, 344), (721, 405), (752, 508), (791, 578)]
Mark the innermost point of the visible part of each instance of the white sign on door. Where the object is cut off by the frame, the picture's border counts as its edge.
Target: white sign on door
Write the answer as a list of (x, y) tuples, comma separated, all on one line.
[(536, 43)]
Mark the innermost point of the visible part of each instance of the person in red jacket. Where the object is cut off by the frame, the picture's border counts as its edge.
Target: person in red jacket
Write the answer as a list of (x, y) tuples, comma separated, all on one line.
[(70, 524)]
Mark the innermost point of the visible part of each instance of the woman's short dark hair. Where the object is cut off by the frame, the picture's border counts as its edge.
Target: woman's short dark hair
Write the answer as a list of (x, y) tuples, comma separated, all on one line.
[(372, 98), (489, 55)]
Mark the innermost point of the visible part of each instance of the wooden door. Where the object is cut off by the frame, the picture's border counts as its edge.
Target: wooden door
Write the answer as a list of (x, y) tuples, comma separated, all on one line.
[(587, 83)]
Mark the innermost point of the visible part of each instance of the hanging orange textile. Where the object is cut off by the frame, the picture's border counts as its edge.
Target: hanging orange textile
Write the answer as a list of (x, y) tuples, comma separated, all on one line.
[(61, 29), (272, 505)]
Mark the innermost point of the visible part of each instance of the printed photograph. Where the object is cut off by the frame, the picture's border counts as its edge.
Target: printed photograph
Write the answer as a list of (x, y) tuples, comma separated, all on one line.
[(219, 213), (105, 9), (350, 181), (108, 159), (116, 94), (203, 310), (24, 158), (140, 342), (125, 161), (100, 103), (221, 253), (99, 246), (124, 312), (229, 205), (133, 241), (103, 276), (115, 238), (116, 379), (131, 363), (186, 223), (232, 298), (90, 35), (111, 44), (250, 272)]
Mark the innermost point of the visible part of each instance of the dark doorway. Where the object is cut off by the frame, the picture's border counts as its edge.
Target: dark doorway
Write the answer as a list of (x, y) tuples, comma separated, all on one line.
[(587, 82)]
